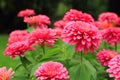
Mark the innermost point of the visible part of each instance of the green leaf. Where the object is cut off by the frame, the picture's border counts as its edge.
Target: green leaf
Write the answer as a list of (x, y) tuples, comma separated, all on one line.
[(50, 53), (18, 66), (84, 71), (30, 29), (33, 69)]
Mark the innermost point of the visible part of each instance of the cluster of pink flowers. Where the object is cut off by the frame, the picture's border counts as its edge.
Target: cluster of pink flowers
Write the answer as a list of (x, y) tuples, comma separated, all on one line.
[(114, 67), (6, 74), (86, 36), (42, 36), (26, 13), (104, 56), (51, 71), (17, 43), (111, 35), (76, 28)]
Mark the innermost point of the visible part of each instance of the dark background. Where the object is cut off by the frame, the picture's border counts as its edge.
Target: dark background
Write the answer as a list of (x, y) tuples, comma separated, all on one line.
[(55, 9)]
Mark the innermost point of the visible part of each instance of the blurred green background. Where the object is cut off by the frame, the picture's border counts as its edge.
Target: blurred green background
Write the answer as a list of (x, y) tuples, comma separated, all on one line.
[(55, 9)]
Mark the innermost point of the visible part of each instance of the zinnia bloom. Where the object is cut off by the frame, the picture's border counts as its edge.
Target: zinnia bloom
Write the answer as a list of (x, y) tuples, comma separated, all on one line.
[(42, 36), (26, 13), (114, 67), (85, 36), (38, 21), (108, 16), (104, 56), (107, 19), (51, 71), (6, 74), (17, 48), (17, 35), (111, 35), (75, 15)]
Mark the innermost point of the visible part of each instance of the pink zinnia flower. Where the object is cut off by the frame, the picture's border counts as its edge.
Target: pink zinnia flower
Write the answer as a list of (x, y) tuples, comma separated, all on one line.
[(104, 56), (60, 24), (111, 35), (26, 13), (107, 19), (51, 71), (114, 67), (43, 36), (17, 35), (85, 36), (108, 16), (38, 21), (6, 74), (75, 15), (17, 48)]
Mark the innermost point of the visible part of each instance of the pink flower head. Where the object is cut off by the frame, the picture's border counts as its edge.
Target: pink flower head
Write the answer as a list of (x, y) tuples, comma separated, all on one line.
[(60, 24), (42, 36), (105, 56), (75, 15), (51, 71), (114, 67), (111, 35), (84, 35), (38, 21), (17, 48), (6, 74), (17, 35), (108, 16), (26, 13), (107, 19)]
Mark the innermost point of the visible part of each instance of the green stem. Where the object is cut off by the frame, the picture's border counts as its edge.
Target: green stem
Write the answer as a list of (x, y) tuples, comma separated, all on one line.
[(115, 46), (105, 44), (43, 48), (81, 57), (25, 62)]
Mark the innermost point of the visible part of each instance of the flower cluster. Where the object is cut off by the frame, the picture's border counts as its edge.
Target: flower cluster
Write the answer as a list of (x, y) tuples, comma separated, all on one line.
[(75, 28)]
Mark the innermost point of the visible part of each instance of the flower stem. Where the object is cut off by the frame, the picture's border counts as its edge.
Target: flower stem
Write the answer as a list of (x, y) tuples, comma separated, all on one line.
[(43, 48), (105, 44), (115, 46), (81, 57), (25, 62)]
